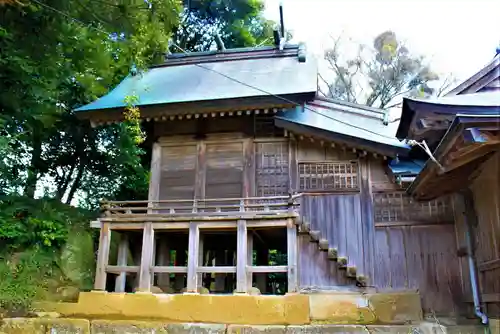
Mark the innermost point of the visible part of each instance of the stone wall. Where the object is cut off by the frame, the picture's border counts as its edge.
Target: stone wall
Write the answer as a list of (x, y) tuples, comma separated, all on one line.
[(82, 326)]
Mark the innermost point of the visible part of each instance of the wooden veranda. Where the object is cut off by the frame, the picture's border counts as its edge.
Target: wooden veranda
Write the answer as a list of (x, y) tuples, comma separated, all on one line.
[(152, 218)]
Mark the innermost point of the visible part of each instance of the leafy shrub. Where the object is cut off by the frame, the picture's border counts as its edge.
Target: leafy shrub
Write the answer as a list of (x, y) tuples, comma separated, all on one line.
[(45, 247)]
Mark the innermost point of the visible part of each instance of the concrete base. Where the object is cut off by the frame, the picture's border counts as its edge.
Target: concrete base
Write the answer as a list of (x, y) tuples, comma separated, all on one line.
[(291, 309), (81, 326)]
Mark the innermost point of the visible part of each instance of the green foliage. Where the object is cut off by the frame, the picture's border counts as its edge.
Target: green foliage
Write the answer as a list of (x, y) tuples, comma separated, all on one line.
[(24, 278), (239, 23), (26, 222), (45, 246)]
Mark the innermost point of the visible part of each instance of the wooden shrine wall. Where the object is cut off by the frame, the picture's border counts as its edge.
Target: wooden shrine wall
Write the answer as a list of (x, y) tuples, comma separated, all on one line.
[(396, 243), (415, 245), (486, 193)]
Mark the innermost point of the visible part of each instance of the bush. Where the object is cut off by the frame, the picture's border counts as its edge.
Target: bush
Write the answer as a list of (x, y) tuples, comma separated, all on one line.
[(46, 248)]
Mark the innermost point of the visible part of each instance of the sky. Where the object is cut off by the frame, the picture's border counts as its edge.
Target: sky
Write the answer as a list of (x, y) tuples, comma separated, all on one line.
[(457, 36)]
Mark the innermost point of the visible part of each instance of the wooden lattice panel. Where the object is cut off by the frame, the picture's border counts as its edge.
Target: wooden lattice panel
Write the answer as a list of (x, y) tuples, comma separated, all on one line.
[(398, 207), (342, 175), (271, 169)]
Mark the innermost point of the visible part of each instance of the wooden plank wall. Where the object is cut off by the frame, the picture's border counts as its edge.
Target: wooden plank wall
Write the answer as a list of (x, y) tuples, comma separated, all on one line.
[(486, 192), (417, 255), (337, 216)]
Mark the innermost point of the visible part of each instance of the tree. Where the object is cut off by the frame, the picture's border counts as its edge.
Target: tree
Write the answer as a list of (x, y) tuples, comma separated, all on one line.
[(379, 75), (70, 54), (239, 23)]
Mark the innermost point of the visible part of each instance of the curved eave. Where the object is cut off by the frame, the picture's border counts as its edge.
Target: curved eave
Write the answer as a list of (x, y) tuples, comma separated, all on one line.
[(415, 109)]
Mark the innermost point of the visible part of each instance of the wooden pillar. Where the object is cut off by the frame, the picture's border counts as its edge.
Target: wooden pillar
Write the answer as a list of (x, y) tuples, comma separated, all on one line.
[(249, 258), (102, 257), (122, 262), (220, 279), (146, 258), (193, 256), (180, 257), (241, 262), (163, 260), (262, 260), (292, 256)]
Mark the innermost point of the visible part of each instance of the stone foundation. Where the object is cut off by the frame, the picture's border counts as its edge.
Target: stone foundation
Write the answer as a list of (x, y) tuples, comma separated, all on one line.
[(291, 309), (81, 326), (141, 313)]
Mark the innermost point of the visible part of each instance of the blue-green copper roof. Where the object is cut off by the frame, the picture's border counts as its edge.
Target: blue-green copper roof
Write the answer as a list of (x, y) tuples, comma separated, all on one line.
[(195, 79), (347, 120)]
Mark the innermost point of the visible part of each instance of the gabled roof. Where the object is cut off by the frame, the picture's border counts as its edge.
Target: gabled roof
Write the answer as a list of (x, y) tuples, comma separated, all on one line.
[(214, 76), (487, 79), (344, 122)]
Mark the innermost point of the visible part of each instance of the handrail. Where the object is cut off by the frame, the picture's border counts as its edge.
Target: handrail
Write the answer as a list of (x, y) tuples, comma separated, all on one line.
[(222, 206)]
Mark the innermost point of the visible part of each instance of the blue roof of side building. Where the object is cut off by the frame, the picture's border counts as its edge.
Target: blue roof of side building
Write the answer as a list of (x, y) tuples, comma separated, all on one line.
[(347, 121), (406, 167)]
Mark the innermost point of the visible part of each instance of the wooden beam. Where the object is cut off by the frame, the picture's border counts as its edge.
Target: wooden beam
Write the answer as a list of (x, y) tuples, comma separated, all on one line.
[(170, 269), (292, 256), (122, 261), (217, 269), (241, 262), (122, 269), (102, 258), (293, 167), (268, 269), (474, 153), (148, 239), (193, 256), (489, 265)]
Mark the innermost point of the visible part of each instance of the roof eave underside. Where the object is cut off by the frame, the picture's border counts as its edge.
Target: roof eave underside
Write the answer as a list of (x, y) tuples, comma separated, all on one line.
[(413, 108), (453, 131)]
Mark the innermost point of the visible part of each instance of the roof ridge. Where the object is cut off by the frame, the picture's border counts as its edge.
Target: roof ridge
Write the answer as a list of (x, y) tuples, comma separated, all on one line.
[(352, 104)]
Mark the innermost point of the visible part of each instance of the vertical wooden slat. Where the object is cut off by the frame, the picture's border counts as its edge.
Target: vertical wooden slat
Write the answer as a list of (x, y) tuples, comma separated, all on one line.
[(146, 258), (367, 218), (248, 169), (193, 256), (292, 256), (122, 261), (292, 160), (154, 182), (163, 260), (241, 262), (199, 187), (102, 257)]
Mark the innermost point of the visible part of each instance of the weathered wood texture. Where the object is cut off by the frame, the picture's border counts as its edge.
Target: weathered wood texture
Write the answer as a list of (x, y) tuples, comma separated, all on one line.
[(423, 258), (486, 193), (415, 245), (337, 217)]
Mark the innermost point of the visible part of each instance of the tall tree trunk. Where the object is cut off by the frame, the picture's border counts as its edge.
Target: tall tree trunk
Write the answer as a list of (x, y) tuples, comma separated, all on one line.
[(76, 183), (63, 185), (32, 179)]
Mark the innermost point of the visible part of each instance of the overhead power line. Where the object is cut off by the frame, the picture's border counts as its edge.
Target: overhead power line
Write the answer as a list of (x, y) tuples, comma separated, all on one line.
[(229, 77)]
